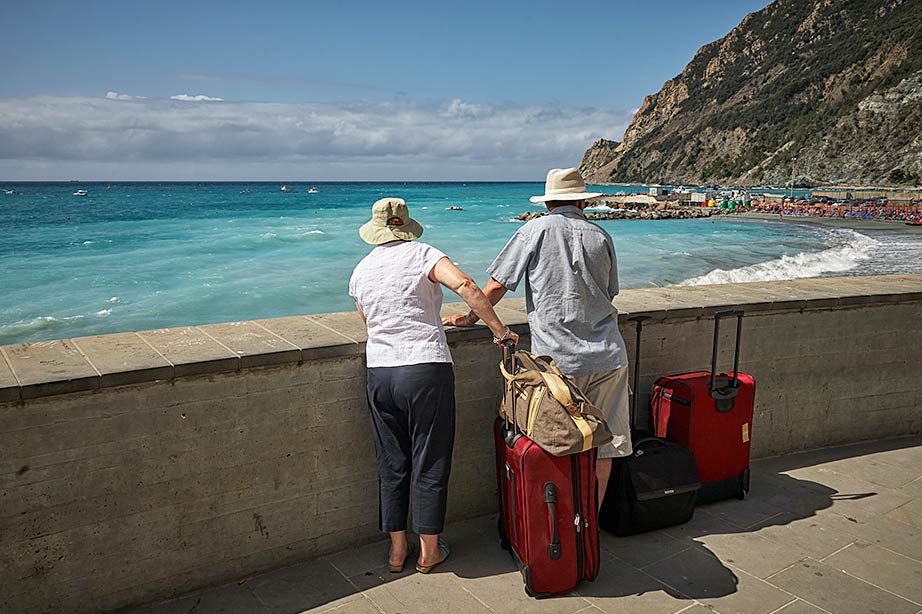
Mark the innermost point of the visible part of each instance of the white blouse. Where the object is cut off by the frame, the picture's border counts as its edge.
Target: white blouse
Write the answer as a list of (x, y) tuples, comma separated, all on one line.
[(401, 305)]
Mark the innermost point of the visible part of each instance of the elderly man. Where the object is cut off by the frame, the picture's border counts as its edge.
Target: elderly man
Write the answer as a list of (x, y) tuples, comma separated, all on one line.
[(571, 276)]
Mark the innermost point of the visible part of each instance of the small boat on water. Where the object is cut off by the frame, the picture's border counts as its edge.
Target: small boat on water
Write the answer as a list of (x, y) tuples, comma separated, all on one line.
[(10, 192), (313, 191), (454, 208), (81, 193), (286, 188), (244, 191)]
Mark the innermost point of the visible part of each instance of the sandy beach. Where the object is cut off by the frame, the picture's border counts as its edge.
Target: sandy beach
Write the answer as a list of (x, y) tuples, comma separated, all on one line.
[(853, 224)]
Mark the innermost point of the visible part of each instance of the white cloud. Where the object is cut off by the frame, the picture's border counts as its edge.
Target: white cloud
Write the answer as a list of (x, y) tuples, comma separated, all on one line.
[(195, 98), (53, 137), (458, 109), (117, 96)]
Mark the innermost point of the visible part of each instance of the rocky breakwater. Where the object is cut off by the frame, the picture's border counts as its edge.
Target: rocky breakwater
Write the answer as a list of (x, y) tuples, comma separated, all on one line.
[(657, 212)]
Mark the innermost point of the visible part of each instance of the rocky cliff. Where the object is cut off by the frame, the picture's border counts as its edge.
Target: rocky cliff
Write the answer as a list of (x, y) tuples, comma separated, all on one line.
[(821, 92)]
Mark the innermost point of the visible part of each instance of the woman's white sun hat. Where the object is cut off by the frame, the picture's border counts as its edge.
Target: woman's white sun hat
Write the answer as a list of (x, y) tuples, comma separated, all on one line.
[(390, 221), (564, 184)]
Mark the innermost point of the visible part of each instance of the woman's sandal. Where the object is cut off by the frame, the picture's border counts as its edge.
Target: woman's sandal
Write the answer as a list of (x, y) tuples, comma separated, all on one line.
[(445, 552), (399, 568)]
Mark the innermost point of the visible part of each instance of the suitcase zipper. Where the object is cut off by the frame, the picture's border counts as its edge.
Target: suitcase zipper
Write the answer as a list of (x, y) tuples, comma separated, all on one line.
[(592, 550), (577, 509), (510, 477)]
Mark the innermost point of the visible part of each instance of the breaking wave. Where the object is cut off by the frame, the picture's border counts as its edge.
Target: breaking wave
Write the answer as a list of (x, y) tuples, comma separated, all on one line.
[(839, 259), (33, 325)]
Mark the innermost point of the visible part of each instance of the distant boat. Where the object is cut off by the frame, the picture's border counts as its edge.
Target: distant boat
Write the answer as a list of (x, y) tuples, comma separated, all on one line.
[(454, 208), (286, 188), (313, 191), (9, 192), (244, 191), (81, 193)]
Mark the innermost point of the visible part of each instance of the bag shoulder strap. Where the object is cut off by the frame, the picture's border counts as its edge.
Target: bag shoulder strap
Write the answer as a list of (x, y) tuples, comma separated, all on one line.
[(558, 387), (561, 391)]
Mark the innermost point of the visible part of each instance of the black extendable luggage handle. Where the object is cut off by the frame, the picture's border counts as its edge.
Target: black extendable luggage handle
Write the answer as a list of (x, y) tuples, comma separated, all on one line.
[(550, 497), (639, 320), (509, 357), (724, 396)]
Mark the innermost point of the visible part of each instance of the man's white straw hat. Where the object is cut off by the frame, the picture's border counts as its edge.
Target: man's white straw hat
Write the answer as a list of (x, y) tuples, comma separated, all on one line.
[(564, 184), (390, 221)]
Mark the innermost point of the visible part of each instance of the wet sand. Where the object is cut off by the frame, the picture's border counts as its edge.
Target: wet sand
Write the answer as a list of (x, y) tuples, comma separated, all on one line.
[(832, 222)]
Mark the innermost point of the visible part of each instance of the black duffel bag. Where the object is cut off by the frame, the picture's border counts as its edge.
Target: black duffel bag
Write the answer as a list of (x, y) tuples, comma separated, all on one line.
[(653, 488)]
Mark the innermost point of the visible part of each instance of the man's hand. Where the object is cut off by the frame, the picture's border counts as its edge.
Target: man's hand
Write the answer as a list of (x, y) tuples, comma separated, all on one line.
[(461, 319)]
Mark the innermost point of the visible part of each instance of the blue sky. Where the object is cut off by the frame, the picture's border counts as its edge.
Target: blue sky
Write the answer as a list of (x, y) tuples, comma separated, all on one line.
[(507, 88)]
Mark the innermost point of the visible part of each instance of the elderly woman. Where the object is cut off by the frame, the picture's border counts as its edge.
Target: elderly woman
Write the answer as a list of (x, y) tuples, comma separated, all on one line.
[(411, 386)]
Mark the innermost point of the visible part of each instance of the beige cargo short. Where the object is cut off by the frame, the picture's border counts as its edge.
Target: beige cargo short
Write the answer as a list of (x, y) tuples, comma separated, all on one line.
[(610, 393)]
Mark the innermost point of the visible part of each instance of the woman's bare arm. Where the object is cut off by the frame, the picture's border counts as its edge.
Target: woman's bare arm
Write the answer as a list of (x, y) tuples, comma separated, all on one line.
[(447, 274), (494, 291)]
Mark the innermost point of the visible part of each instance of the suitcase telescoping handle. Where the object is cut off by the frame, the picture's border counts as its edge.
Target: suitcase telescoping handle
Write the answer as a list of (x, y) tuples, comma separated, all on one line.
[(510, 436), (725, 395), (639, 320), (550, 497), (509, 357)]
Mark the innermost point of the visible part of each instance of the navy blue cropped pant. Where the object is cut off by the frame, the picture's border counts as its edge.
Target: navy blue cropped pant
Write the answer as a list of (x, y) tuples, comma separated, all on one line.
[(413, 419)]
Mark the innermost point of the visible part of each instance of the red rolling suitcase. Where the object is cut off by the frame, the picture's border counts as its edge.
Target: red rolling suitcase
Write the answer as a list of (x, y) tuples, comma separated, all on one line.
[(547, 511), (710, 414)]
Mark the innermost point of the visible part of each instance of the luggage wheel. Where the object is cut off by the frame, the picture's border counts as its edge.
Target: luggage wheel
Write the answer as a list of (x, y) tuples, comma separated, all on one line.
[(744, 485), (503, 542)]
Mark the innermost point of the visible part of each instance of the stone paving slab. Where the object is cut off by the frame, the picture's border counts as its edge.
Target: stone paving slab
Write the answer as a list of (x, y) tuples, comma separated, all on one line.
[(191, 351), (255, 345), (50, 367), (836, 591), (798, 606), (315, 341), (884, 568), (347, 324), (9, 385), (124, 358), (797, 545)]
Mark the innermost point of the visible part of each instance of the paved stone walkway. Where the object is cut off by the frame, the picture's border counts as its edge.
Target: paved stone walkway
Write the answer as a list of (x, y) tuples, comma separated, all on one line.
[(836, 530)]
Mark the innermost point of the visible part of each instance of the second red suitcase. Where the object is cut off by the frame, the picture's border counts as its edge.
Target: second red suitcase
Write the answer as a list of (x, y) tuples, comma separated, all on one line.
[(710, 414), (547, 513)]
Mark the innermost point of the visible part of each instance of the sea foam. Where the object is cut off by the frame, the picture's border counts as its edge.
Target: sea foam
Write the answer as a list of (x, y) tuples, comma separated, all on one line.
[(838, 259)]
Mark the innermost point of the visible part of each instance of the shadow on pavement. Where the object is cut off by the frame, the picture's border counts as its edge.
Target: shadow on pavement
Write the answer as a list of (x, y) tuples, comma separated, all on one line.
[(678, 563)]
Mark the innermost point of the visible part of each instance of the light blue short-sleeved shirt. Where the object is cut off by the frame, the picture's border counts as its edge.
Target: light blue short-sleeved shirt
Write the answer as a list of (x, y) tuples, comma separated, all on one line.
[(571, 276)]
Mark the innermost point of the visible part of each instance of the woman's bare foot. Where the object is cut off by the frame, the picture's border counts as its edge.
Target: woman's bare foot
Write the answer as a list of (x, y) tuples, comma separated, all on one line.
[(399, 549), (432, 552)]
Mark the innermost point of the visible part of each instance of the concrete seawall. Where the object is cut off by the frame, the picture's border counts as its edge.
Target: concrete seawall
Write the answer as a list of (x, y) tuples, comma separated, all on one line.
[(138, 466)]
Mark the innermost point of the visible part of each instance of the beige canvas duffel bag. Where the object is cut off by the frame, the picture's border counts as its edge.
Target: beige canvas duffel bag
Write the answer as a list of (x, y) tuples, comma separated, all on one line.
[(543, 404)]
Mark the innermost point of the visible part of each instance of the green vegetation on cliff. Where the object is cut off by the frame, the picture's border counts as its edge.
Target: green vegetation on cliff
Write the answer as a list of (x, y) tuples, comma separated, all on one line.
[(824, 91)]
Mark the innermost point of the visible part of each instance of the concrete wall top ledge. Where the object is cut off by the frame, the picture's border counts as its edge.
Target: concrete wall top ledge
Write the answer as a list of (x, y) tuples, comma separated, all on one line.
[(46, 368)]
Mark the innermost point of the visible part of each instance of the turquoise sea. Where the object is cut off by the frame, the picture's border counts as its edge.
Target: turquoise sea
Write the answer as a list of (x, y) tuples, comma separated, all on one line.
[(136, 256)]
